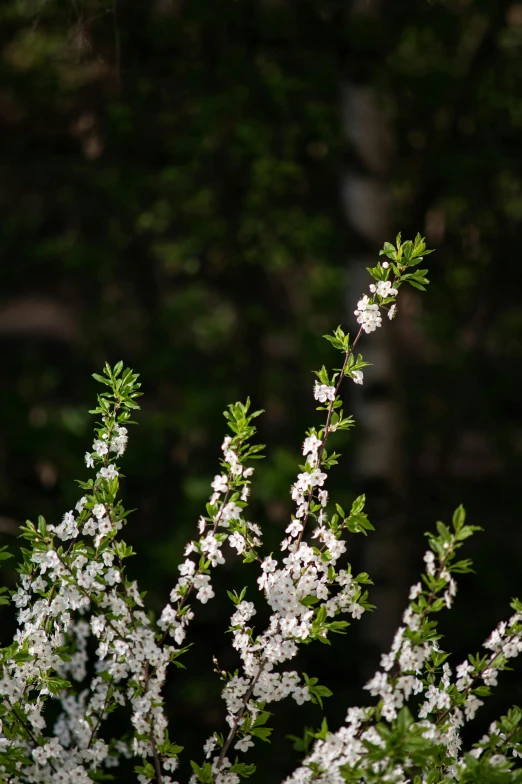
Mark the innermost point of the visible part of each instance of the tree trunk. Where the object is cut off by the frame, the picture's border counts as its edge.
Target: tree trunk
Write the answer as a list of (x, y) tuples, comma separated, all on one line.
[(379, 461)]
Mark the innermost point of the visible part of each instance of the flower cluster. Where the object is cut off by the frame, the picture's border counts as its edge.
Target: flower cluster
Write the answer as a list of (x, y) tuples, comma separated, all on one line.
[(383, 292), (225, 511), (67, 595), (386, 742), (74, 598), (368, 315), (307, 589)]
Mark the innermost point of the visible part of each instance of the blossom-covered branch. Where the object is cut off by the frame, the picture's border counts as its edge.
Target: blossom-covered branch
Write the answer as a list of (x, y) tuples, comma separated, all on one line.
[(308, 589), (74, 596)]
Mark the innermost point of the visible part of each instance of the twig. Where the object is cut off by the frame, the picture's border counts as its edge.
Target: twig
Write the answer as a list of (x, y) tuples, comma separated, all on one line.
[(239, 716), (327, 430)]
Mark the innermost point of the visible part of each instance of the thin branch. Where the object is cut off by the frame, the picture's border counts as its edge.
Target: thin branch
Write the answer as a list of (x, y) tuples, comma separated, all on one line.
[(327, 430), (239, 716), (100, 717)]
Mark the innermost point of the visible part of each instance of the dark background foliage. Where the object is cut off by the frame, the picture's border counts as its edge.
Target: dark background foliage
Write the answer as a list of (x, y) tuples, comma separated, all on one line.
[(189, 186)]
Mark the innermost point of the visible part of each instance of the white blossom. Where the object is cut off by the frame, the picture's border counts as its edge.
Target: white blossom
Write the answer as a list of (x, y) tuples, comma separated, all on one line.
[(383, 288), (368, 315), (220, 484), (323, 392)]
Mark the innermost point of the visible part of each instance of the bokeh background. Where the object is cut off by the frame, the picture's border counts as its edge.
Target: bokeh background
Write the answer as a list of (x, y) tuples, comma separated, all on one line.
[(196, 188)]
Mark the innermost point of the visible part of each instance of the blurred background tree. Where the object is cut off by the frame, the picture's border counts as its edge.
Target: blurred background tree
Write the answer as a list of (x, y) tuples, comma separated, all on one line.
[(194, 187)]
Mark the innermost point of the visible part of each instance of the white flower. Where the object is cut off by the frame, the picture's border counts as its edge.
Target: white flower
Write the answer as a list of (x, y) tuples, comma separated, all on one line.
[(494, 641), (90, 527), (301, 694), (229, 512), (39, 584), (383, 289), (244, 743), (81, 503), (415, 591), (119, 440), (89, 462), (187, 568), (205, 593), (100, 447), (429, 557), (471, 706), (446, 676), (238, 542), (210, 745), (99, 511), (219, 485), (323, 497), (109, 472), (269, 564), (113, 576), (344, 577), (511, 647), (392, 311), (357, 376), (322, 392), (368, 315), (294, 528), (463, 673), (311, 444), (244, 611), (317, 477)]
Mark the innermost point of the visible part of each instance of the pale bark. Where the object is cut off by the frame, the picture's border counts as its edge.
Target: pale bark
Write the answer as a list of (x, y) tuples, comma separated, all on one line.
[(379, 462)]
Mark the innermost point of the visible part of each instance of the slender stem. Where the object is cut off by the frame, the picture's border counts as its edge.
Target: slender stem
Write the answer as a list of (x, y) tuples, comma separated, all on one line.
[(157, 763), (100, 716), (180, 606), (182, 601), (327, 430), (239, 716), (28, 729), (255, 679), (468, 688)]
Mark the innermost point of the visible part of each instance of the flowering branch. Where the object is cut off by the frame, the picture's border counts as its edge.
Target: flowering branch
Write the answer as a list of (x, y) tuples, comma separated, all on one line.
[(300, 593), (73, 587)]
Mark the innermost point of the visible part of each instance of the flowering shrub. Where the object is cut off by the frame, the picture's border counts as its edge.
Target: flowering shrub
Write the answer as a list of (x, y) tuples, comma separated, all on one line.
[(74, 596)]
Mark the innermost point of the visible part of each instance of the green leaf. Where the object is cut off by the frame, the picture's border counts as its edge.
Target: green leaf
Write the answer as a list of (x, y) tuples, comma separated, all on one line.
[(416, 285), (263, 733), (358, 505), (101, 379), (55, 685), (459, 518)]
